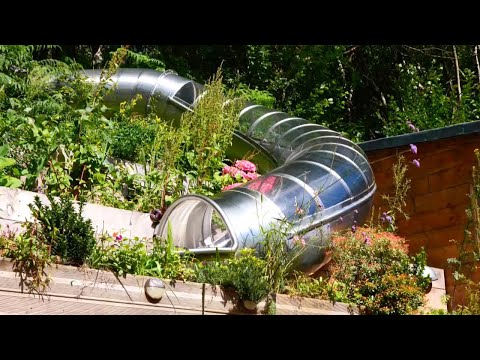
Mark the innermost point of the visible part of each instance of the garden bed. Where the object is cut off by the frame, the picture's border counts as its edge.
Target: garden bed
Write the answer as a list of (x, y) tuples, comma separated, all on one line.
[(82, 291)]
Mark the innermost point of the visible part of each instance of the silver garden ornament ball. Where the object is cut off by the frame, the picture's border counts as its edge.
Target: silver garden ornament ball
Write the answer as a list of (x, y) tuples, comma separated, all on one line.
[(155, 288)]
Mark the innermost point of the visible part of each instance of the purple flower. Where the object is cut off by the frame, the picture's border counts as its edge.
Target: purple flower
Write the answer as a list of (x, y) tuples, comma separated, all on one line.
[(117, 236), (354, 228), (368, 241), (413, 148), (386, 217), (416, 163), (411, 126)]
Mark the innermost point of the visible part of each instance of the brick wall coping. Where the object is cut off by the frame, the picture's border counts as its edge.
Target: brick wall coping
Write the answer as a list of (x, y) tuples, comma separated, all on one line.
[(421, 136)]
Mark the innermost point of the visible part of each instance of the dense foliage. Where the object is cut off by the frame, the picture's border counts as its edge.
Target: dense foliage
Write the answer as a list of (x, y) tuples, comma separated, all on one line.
[(58, 136), (365, 91)]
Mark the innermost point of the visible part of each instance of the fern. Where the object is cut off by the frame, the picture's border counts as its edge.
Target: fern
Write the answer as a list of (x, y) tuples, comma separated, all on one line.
[(145, 60), (45, 47)]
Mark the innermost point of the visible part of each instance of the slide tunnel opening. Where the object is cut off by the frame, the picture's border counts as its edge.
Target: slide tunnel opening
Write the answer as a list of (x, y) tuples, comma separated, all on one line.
[(197, 225)]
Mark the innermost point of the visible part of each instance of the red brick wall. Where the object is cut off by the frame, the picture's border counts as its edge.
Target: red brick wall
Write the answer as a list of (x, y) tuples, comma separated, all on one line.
[(438, 196)]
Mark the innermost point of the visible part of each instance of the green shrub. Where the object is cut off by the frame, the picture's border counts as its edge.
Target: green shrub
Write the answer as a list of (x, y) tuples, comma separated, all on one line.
[(213, 273), (320, 288), (247, 276), (70, 236), (245, 273), (128, 139)]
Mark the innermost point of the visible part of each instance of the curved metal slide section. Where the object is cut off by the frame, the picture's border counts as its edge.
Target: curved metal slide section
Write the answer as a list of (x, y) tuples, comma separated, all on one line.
[(316, 180)]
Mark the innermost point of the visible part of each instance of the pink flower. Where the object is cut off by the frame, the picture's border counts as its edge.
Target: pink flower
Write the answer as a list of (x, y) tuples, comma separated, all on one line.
[(226, 170), (245, 165), (299, 211), (250, 176), (231, 186), (413, 148), (298, 240), (416, 163), (232, 170)]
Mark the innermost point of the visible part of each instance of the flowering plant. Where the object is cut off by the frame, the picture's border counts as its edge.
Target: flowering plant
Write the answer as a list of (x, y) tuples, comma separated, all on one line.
[(379, 275), (238, 174)]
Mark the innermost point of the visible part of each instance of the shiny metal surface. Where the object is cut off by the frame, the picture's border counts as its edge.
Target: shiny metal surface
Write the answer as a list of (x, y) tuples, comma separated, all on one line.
[(315, 179)]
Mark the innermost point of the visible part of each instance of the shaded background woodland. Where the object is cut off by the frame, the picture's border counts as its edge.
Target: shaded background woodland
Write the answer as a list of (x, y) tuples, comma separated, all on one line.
[(363, 91)]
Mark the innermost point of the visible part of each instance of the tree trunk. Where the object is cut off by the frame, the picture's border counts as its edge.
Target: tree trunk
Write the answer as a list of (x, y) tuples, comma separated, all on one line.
[(457, 68), (475, 52)]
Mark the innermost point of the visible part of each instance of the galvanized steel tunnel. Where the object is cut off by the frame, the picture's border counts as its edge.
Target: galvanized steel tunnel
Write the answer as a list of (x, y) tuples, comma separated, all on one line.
[(316, 179)]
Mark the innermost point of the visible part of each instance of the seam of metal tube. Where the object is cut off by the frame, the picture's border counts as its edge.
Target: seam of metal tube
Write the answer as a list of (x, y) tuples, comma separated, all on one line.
[(328, 217), (304, 186), (321, 133), (333, 172), (248, 108), (322, 144), (351, 143), (329, 137), (315, 126), (152, 92), (347, 159), (256, 122), (281, 122)]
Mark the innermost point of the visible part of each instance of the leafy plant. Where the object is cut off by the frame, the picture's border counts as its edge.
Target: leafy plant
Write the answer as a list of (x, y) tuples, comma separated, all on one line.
[(214, 121), (396, 202), (247, 276), (5, 162), (61, 227), (467, 261), (320, 288), (125, 256), (30, 256)]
